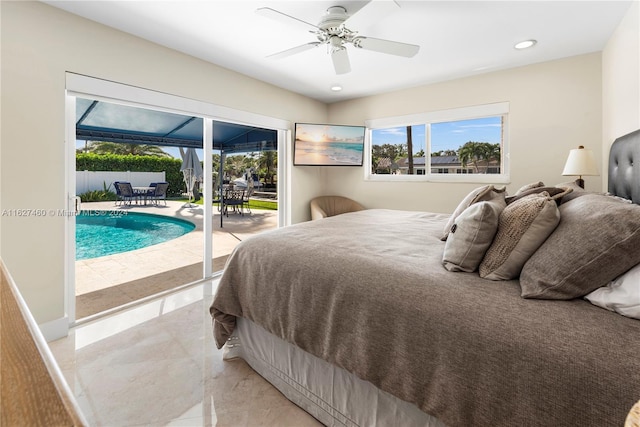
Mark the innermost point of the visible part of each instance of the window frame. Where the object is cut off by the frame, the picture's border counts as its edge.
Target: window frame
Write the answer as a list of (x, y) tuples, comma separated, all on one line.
[(428, 118)]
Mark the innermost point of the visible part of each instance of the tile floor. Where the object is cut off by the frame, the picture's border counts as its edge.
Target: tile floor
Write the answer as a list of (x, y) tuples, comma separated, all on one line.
[(156, 365)]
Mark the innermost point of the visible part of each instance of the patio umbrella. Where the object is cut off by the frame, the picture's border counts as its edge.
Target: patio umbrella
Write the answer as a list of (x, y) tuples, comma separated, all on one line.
[(191, 170)]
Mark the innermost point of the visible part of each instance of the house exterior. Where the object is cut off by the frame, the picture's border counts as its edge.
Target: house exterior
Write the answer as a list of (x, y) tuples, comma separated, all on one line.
[(448, 165), (588, 100)]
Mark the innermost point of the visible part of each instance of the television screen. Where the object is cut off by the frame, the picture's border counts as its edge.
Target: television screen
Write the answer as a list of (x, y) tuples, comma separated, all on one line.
[(328, 145)]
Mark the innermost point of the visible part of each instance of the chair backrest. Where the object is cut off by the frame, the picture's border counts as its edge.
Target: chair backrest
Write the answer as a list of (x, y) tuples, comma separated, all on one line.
[(232, 196), (126, 189), (161, 189), (324, 206), (117, 187)]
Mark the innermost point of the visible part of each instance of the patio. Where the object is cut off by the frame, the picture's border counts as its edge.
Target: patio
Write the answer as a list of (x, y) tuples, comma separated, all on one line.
[(112, 281)]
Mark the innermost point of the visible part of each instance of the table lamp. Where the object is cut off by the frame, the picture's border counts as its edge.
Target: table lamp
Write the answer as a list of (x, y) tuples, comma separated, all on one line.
[(580, 163)]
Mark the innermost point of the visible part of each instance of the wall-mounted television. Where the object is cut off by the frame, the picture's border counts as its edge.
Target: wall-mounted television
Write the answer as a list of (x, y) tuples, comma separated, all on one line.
[(328, 145)]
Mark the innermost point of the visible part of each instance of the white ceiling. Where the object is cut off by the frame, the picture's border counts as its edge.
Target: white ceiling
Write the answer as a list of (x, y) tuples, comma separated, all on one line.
[(457, 38)]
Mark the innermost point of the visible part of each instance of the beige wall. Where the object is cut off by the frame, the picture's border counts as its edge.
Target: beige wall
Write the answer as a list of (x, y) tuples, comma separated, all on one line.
[(554, 106), (39, 44), (621, 82)]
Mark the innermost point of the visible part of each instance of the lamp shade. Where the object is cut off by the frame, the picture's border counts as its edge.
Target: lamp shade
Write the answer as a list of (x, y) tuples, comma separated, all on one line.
[(580, 162)]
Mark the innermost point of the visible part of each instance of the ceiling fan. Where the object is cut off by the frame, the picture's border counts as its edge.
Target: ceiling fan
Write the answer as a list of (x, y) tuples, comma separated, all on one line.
[(331, 31)]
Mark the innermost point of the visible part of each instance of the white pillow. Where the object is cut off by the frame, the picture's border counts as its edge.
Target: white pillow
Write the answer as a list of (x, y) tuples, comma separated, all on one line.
[(621, 295)]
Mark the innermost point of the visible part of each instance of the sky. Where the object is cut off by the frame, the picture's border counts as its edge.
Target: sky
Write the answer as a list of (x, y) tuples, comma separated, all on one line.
[(329, 133), (444, 136)]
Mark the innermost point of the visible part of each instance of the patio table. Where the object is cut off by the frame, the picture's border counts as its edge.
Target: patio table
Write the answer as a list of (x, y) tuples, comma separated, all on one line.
[(142, 192)]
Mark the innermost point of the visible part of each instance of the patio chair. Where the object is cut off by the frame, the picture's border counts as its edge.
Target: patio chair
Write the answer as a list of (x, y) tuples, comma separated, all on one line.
[(148, 194), (126, 193), (159, 193), (235, 199), (245, 199), (324, 206), (118, 193)]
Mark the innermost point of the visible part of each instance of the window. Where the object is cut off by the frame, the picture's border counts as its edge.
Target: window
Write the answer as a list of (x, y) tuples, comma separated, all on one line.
[(464, 144)]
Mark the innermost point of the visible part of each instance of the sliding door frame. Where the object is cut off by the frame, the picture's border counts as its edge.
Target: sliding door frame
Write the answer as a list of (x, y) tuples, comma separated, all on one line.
[(88, 87)]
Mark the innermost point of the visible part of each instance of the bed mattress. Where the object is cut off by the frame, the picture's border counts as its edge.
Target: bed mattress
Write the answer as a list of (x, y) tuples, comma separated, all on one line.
[(366, 292)]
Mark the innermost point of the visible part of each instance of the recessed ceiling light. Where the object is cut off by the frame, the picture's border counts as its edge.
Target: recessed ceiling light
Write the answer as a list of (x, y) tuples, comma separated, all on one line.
[(525, 44), (336, 88)]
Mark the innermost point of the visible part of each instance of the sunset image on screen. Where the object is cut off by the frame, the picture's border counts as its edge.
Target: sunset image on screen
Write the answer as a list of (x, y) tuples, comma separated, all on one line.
[(328, 145)]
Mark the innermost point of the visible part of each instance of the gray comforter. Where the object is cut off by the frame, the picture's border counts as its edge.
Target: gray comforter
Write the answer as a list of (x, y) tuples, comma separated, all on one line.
[(367, 292)]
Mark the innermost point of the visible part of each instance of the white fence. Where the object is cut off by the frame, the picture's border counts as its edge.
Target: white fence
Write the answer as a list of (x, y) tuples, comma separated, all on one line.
[(95, 180)]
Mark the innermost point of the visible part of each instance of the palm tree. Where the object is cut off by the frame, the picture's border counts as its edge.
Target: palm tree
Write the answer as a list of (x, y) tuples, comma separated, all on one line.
[(492, 152), (410, 149), (474, 152), (470, 153), (268, 160), (104, 147), (234, 166)]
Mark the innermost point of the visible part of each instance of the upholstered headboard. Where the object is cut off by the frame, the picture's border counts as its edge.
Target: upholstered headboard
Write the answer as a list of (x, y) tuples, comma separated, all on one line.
[(624, 167)]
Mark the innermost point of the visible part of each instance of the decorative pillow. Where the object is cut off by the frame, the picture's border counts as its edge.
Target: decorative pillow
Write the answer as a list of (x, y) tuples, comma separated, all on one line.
[(523, 226), (622, 295), (471, 235), (576, 192), (480, 194), (529, 187), (556, 193), (597, 240)]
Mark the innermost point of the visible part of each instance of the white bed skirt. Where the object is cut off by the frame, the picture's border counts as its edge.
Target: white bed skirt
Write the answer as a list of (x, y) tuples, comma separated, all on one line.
[(330, 394)]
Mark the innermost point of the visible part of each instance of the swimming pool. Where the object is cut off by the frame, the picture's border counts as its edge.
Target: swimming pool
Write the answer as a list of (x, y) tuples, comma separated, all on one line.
[(100, 233)]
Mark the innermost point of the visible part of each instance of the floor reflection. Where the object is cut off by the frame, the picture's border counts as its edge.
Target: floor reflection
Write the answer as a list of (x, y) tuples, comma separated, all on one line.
[(156, 364)]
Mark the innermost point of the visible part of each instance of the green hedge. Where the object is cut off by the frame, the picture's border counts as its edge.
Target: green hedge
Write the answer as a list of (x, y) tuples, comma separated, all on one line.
[(119, 162)]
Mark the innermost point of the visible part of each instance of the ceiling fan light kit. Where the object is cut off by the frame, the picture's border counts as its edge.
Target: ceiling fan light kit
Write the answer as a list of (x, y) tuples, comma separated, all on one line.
[(332, 32)]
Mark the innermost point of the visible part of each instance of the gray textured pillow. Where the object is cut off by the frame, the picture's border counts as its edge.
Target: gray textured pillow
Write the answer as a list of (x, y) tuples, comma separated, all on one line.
[(523, 226), (480, 194), (556, 193), (471, 235), (576, 192), (528, 187), (597, 240)]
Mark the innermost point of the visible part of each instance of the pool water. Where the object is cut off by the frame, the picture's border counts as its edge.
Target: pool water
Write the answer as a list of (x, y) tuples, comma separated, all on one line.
[(100, 233)]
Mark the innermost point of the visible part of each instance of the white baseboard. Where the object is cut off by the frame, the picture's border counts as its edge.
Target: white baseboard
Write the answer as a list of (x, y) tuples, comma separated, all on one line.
[(55, 329)]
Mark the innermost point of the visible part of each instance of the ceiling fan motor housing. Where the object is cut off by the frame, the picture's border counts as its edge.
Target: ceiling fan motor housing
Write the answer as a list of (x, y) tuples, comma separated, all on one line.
[(332, 21)]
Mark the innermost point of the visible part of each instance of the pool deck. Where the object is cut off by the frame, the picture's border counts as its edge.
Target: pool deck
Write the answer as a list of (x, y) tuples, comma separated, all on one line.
[(109, 281)]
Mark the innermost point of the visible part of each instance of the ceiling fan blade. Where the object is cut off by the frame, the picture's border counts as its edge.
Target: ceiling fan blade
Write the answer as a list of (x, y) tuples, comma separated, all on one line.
[(371, 13), (294, 50), (340, 60), (285, 19), (386, 46)]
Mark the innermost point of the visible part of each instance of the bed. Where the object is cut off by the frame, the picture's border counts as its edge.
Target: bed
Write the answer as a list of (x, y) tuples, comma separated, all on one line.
[(356, 319)]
